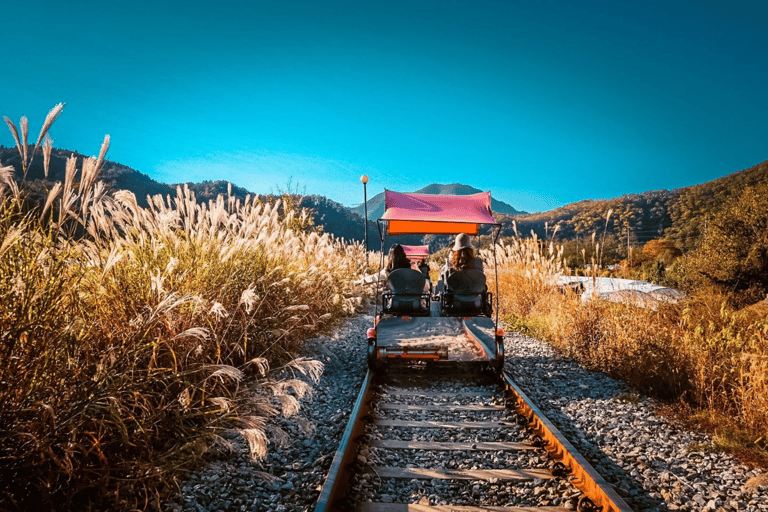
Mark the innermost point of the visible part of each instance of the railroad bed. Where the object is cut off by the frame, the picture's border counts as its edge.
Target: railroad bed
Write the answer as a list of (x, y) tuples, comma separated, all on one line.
[(647, 460), (448, 438)]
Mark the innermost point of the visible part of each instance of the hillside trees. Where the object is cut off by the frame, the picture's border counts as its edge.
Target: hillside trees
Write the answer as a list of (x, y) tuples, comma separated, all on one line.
[(733, 254), (658, 249), (698, 204)]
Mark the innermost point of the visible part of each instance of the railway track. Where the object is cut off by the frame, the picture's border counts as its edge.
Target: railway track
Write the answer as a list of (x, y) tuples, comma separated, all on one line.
[(451, 438)]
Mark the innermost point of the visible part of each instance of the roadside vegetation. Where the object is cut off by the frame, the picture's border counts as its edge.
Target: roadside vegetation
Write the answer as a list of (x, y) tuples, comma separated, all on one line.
[(132, 337), (134, 332), (707, 354)]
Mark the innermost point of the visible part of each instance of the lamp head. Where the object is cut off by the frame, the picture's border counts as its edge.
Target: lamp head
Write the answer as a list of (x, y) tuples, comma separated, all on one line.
[(364, 179)]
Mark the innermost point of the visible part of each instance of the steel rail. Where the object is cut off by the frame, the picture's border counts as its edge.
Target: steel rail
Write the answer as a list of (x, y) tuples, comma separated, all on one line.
[(598, 495), (585, 477), (338, 474)]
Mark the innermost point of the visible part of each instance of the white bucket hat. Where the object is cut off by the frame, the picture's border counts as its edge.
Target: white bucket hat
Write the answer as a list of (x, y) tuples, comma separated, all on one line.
[(462, 242)]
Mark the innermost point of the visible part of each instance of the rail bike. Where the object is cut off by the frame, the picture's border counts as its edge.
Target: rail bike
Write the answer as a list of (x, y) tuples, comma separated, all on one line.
[(434, 434), (452, 321)]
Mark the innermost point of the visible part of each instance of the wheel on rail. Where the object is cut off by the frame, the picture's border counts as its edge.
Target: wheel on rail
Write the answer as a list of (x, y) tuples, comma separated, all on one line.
[(373, 362), (498, 361)]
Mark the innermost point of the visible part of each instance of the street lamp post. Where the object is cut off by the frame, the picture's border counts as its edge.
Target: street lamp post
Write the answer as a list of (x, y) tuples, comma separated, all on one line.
[(364, 180)]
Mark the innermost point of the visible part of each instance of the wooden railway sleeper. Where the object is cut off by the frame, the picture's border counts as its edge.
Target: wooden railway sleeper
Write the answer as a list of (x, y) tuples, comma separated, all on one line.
[(566, 462)]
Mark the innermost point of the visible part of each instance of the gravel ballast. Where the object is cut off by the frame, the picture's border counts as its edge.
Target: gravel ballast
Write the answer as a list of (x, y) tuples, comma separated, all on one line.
[(648, 460)]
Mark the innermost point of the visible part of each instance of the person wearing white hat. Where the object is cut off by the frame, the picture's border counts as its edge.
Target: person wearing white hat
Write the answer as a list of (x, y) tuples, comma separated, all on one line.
[(462, 257)]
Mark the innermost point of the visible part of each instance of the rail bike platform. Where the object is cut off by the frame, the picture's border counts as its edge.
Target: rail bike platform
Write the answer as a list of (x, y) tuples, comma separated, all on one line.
[(435, 339)]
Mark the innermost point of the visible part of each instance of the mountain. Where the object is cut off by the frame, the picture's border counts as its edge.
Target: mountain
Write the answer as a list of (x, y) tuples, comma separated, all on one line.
[(696, 203), (679, 215), (340, 221), (376, 203), (114, 175), (332, 216)]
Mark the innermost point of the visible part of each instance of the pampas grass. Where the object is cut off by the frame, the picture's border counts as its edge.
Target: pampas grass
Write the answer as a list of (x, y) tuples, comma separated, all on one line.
[(133, 337), (700, 351)]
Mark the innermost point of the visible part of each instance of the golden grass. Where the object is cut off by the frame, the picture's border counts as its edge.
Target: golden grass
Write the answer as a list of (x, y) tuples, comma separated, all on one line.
[(700, 351), (133, 337)]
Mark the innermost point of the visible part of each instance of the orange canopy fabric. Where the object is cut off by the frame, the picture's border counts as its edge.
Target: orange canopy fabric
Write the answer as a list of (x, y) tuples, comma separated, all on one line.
[(436, 214)]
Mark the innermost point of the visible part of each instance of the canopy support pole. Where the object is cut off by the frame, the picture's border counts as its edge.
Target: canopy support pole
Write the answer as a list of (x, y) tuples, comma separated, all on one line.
[(382, 235), (496, 273)]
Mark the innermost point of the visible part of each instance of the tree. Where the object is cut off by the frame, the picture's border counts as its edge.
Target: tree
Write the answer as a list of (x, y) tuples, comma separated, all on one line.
[(734, 251), (660, 249)]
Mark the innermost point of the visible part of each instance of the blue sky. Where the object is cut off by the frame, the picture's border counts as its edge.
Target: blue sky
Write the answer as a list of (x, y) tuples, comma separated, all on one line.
[(543, 103)]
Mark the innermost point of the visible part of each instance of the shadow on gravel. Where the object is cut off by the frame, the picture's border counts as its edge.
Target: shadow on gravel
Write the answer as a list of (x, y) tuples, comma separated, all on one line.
[(557, 385)]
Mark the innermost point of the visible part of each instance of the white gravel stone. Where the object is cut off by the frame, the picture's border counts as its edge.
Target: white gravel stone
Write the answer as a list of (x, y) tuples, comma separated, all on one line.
[(647, 459)]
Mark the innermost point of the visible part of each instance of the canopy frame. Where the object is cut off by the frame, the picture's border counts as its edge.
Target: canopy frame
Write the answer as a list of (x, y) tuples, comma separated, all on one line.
[(433, 214)]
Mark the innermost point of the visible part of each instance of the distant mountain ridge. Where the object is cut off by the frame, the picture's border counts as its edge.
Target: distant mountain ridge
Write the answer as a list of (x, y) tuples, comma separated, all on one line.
[(680, 214), (376, 203), (332, 216)]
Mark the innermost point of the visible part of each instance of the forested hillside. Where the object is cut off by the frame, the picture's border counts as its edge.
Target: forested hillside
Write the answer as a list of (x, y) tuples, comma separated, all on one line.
[(634, 217), (331, 216), (690, 213), (679, 215)]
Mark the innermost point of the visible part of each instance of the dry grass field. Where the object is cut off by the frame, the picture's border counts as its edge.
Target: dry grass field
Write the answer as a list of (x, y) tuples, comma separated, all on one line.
[(126, 332), (700, 354)]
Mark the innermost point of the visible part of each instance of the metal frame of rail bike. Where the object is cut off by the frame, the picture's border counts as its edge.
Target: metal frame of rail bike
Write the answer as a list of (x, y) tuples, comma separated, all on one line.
[(439, 215)]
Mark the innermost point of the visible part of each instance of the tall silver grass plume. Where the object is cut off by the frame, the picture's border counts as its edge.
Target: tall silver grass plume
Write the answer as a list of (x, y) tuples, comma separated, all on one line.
[(225, 370), (15, 134), (90, 169), (257, 442), (67, 196), (49, 119), (199, 333), (312, 368), (51, 197), (47, 147), (6, 176), (262, 365), (8, 179), (103, 152), (11, 237), (248, 298), (223, 403), (112, 259), (24, 129), (69, 173)]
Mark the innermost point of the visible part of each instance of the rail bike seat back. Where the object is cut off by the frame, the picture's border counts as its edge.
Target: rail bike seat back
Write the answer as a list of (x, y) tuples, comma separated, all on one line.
[(405, 293), (466, 294)]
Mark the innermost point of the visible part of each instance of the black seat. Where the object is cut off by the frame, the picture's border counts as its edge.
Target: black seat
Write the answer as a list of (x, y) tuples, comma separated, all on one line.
[(405, 294), (466, 294)]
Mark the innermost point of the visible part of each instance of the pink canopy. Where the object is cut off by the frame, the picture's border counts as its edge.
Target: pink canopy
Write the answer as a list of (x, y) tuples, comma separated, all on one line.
[(416, 252), (436, 214)]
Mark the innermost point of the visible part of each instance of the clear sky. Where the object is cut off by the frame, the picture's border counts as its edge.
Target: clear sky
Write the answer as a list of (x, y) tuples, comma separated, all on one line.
[(542, 102)]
